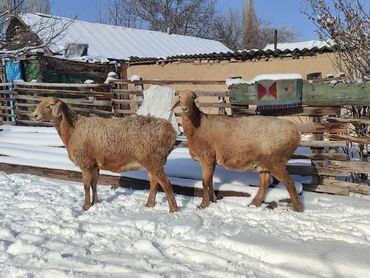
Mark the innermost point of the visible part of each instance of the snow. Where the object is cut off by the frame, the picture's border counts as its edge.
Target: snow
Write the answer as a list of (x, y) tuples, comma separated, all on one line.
[(300, 45), (108, 41), (44, 233), (42, 147), (275, 76), (135, 77)]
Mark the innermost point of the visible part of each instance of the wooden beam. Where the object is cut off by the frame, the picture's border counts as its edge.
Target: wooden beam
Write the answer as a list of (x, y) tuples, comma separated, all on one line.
[(322, 127), (305, 111), (173, 82), (348, 120), (313, 94), (109, 180), (323, 144), (352, 166), (58, 85), (364, 140)]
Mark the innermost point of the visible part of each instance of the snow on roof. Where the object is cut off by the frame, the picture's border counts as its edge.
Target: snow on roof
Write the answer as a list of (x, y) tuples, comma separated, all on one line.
[(108, 41), (299, 45)]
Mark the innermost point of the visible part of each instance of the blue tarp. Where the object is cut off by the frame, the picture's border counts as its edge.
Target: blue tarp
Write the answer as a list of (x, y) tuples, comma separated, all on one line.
[(13, 72)]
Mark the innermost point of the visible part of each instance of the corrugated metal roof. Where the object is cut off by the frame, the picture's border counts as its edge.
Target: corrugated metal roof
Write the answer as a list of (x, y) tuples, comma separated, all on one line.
[(108, 41), (284, 50), (299, 45)]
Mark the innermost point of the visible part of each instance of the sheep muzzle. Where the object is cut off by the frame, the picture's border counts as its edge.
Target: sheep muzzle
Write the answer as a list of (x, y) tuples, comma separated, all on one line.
[(177, 102)]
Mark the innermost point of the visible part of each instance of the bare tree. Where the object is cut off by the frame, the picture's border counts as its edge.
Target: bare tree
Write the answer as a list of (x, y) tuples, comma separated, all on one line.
[(267, 30), (228, 29), (117, 12), (245, 31), (251, 38), (345, 24), (184, 17), (26, 6), (17, 36)]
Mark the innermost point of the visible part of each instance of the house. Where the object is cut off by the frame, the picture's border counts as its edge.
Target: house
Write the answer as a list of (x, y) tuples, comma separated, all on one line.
[(60, 49), (311, 59)]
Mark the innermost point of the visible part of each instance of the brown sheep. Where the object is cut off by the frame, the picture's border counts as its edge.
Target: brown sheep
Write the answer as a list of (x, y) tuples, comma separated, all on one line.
[(262, 144), (117, 145)]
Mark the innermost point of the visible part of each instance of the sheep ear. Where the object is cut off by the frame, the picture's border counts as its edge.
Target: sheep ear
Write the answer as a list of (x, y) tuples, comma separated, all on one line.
[(194, 96), (57, 110), (177, 102)]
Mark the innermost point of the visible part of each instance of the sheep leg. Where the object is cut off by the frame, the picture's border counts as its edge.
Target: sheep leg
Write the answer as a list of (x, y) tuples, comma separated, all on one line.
[(87, 177), (264, 183), (94, 183), (212, 195), (207, 180), (153, 191), (167, 188), (282, 175)]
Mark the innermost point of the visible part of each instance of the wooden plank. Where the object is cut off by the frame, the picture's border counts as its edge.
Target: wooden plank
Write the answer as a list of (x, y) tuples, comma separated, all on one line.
[(364, 140), (347, 120), (6, 84), (214, 104), (315, 94), (6, 115), (351, 187), (7, 108), (3, 122), (352, 166), (323, 144), (63, 92), (109, 180), (319, 171), (326, 189), (198, 93), (6, 99), (122, 111), (80, 101), (322, 127), (321, 156), (338, 94), (174, 82), (58, 85), (125, 101), (307, 111), (33, 123)]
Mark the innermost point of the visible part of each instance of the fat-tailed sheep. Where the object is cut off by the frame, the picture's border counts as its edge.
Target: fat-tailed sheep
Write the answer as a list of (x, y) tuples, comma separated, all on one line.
[(262, 144), (117, 145)]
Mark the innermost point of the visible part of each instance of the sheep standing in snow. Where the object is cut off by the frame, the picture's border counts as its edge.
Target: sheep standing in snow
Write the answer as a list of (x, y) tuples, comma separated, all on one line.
[(117, 145), (262, 144)]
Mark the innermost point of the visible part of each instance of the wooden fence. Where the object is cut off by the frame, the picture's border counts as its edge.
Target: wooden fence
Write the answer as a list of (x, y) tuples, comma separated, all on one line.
[(319, 119)]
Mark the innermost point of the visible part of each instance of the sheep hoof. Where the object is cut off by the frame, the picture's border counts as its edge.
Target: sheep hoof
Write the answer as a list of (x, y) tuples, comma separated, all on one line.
[(298, 208), (86, 207), (256, 203), (213, 198), (150, 204), (174, 209), (204, 205), (114, 187)]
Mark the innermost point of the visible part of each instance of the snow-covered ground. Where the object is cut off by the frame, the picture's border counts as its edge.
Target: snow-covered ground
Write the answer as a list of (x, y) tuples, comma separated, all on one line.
[(45, 233)]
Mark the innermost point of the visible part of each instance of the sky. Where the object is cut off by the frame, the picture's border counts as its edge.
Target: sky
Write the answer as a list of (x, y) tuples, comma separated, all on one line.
[(277, 12)]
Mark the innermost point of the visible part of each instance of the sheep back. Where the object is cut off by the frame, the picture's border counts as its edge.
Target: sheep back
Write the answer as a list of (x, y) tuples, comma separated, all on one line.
[(120, 141)]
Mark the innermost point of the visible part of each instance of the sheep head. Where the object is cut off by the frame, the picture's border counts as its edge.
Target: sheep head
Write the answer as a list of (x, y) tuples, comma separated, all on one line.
[(49, 109), (186, 101)]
